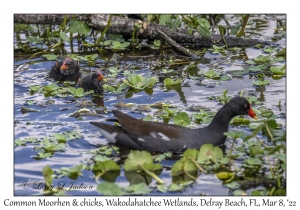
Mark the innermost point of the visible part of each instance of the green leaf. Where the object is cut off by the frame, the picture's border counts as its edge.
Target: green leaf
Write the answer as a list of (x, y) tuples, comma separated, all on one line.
[(278, 70), (191, 153), (203, 22), (162, 188), (168, 82), (108, 188), (138, 189), (72, 90), (64, 36), (107, 42), (225, 160), (34, 88), (77, 26), (232, 185), (178, 81), (235, 134), (251, 62), (208, 151), (204, 31), (79, 91), (255, 150), (108, 165), (235, 29), (51, 87), (125, 44), (19, 142), (163, 19), (256, 193), (222, 29), (262, 59), (137, 158), (116, 44), (253, 161), (182, 119), (50, 57), (257, 68), (47, 173), (176, 187)]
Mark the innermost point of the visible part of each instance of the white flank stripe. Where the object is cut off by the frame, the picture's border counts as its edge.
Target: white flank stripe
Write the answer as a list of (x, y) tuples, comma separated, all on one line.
[(153, 134), (140, 139), (164, 137)]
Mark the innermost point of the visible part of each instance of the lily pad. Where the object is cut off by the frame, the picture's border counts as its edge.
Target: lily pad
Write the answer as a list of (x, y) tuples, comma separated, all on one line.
[(108, 188), (209, 152), (182, 119), (138, 189)]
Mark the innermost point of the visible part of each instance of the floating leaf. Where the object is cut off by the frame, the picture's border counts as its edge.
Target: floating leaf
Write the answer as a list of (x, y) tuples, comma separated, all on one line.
[(108, 188), (255, 150), (176, 187), (138, 158), (182, 119), (108, 165), (236, 134), (138, 189), (232, 185), (47, 173), (208, 151), (50, 57), (253, 161)]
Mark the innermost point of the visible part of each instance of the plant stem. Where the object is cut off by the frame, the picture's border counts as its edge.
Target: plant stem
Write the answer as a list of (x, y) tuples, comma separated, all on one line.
[(262, 143), (189, 175), (153, 175), (245, 22), (272, 191), (198, 166), (230, 153), (133, 34), (104, 31), (99, 175), (271, 170), (269, 132)]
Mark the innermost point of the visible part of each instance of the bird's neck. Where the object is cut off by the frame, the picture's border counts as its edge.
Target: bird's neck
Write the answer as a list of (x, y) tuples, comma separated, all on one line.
[(222, 119), (219, 125)]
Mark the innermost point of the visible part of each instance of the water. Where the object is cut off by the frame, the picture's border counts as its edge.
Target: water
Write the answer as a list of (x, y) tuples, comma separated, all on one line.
[(54, 118)]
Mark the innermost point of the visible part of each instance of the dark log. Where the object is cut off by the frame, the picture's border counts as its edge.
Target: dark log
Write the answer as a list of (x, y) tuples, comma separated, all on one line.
[(125, 26)]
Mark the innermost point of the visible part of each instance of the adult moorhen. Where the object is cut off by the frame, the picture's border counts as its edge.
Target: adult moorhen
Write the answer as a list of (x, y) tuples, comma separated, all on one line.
[(155, 136), (92, 81), (66, 69)]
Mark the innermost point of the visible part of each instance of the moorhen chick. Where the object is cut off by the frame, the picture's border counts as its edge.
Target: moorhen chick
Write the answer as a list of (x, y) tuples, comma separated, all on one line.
[(92, 81), (65, 70), (155, 136)]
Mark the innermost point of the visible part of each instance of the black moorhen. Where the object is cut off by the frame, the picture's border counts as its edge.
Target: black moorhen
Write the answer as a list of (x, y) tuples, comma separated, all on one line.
[(92, 81), (65, 70), (155, 136)]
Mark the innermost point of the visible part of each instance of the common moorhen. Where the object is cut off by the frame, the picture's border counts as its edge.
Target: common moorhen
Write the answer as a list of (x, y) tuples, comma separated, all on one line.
[(65, 70), (92, 81), (156, 136)]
